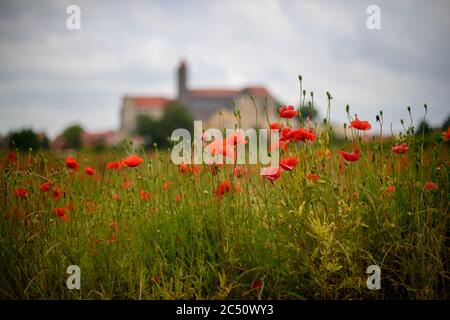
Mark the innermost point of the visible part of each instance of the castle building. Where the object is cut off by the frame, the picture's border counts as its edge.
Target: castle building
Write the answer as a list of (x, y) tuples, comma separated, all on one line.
[(203, 104)]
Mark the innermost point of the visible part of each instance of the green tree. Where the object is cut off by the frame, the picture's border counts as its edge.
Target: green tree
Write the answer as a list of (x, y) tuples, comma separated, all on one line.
[(446, 124), (306, 111), (24, 139), (425, 127), (149, 129), (72, 136)]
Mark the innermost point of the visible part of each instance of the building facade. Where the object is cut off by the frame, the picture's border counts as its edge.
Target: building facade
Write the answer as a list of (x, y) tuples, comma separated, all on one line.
[(204, 104)]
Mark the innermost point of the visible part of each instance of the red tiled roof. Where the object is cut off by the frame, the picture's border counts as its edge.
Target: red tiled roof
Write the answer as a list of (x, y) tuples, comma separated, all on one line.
[(213, 93), (150, 102), (256, 91)]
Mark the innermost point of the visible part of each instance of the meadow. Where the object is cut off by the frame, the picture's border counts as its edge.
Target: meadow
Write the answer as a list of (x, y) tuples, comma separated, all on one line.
[(140, 227)]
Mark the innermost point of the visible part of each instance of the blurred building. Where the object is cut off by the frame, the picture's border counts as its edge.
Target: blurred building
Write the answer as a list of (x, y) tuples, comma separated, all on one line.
[(204, 104)]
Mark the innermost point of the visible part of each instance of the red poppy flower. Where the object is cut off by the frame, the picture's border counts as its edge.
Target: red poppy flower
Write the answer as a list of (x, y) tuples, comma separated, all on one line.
[(286, 135), (166, 185), (133, 161), (279, 145), (59, 211), (431, 186), (360, 125), (390, 189), (236, 138), (354, 156), (221, 147), (179, 197), (400, 149), (312, 177), (72, 163), (271, 173), (446, 135), (257, 284), (45, 186), (287, 112), (57, 193), (239, 172), (90, 171), (113, 165), (288, 163), (127, 184), (115, 196), (301, 134), (324, 154), (223, 187), (145, 195), (12, 157), (21, 193), (276, 126), (112, 239)]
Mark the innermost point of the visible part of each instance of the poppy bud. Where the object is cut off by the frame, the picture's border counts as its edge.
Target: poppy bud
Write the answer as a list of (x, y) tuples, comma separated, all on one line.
[(409, 108), (425, 106), (381, 112), (312, 94), (300, 77), (401, 121), (304, 92), (378, 118), (347, 108)]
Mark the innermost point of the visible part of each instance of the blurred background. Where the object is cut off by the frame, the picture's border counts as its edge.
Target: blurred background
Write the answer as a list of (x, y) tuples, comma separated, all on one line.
[(134, 66)]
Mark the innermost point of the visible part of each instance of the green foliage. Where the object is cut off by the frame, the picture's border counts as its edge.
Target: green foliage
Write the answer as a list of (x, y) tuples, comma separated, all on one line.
[(308, 111), (72, 137), (25, 139), (175, 116)]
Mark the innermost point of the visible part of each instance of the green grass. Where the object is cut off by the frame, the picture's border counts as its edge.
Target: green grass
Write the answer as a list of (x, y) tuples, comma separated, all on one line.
[(301, 239)]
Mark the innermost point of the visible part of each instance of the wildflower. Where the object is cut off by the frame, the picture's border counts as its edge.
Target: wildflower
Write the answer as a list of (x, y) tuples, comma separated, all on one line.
[(288, 163), (145, 195), (301, 134), (360, 125), (390, 189), (179, 197), (166, 185), (113, 165), (271, 173), (21, 193), (431, 186), (89, 171), (115, 196), (223, 187), (57, 193), (127, 184), (324, 154), (236, 138), (446, 135), (276, 126), (239, 172), (354, 156), (312, 177), (287, 112), (112, 239), (286, 135), (400, 149), (12, 157), (184, 168), (257, 284), (133, 161), (61, 213), (72, 163), (45, 186)]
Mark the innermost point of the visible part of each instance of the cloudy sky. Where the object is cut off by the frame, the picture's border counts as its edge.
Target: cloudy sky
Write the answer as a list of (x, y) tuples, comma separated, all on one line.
[(51, 76)]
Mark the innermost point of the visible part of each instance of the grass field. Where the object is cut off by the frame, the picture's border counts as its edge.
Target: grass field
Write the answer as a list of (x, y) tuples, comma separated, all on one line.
[(158, 231)]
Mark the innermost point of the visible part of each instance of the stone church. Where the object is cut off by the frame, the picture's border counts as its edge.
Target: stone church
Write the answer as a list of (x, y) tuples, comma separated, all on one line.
[(204, 104)]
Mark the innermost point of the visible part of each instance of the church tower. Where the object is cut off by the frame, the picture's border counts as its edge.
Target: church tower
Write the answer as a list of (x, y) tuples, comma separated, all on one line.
[(182, 75)]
